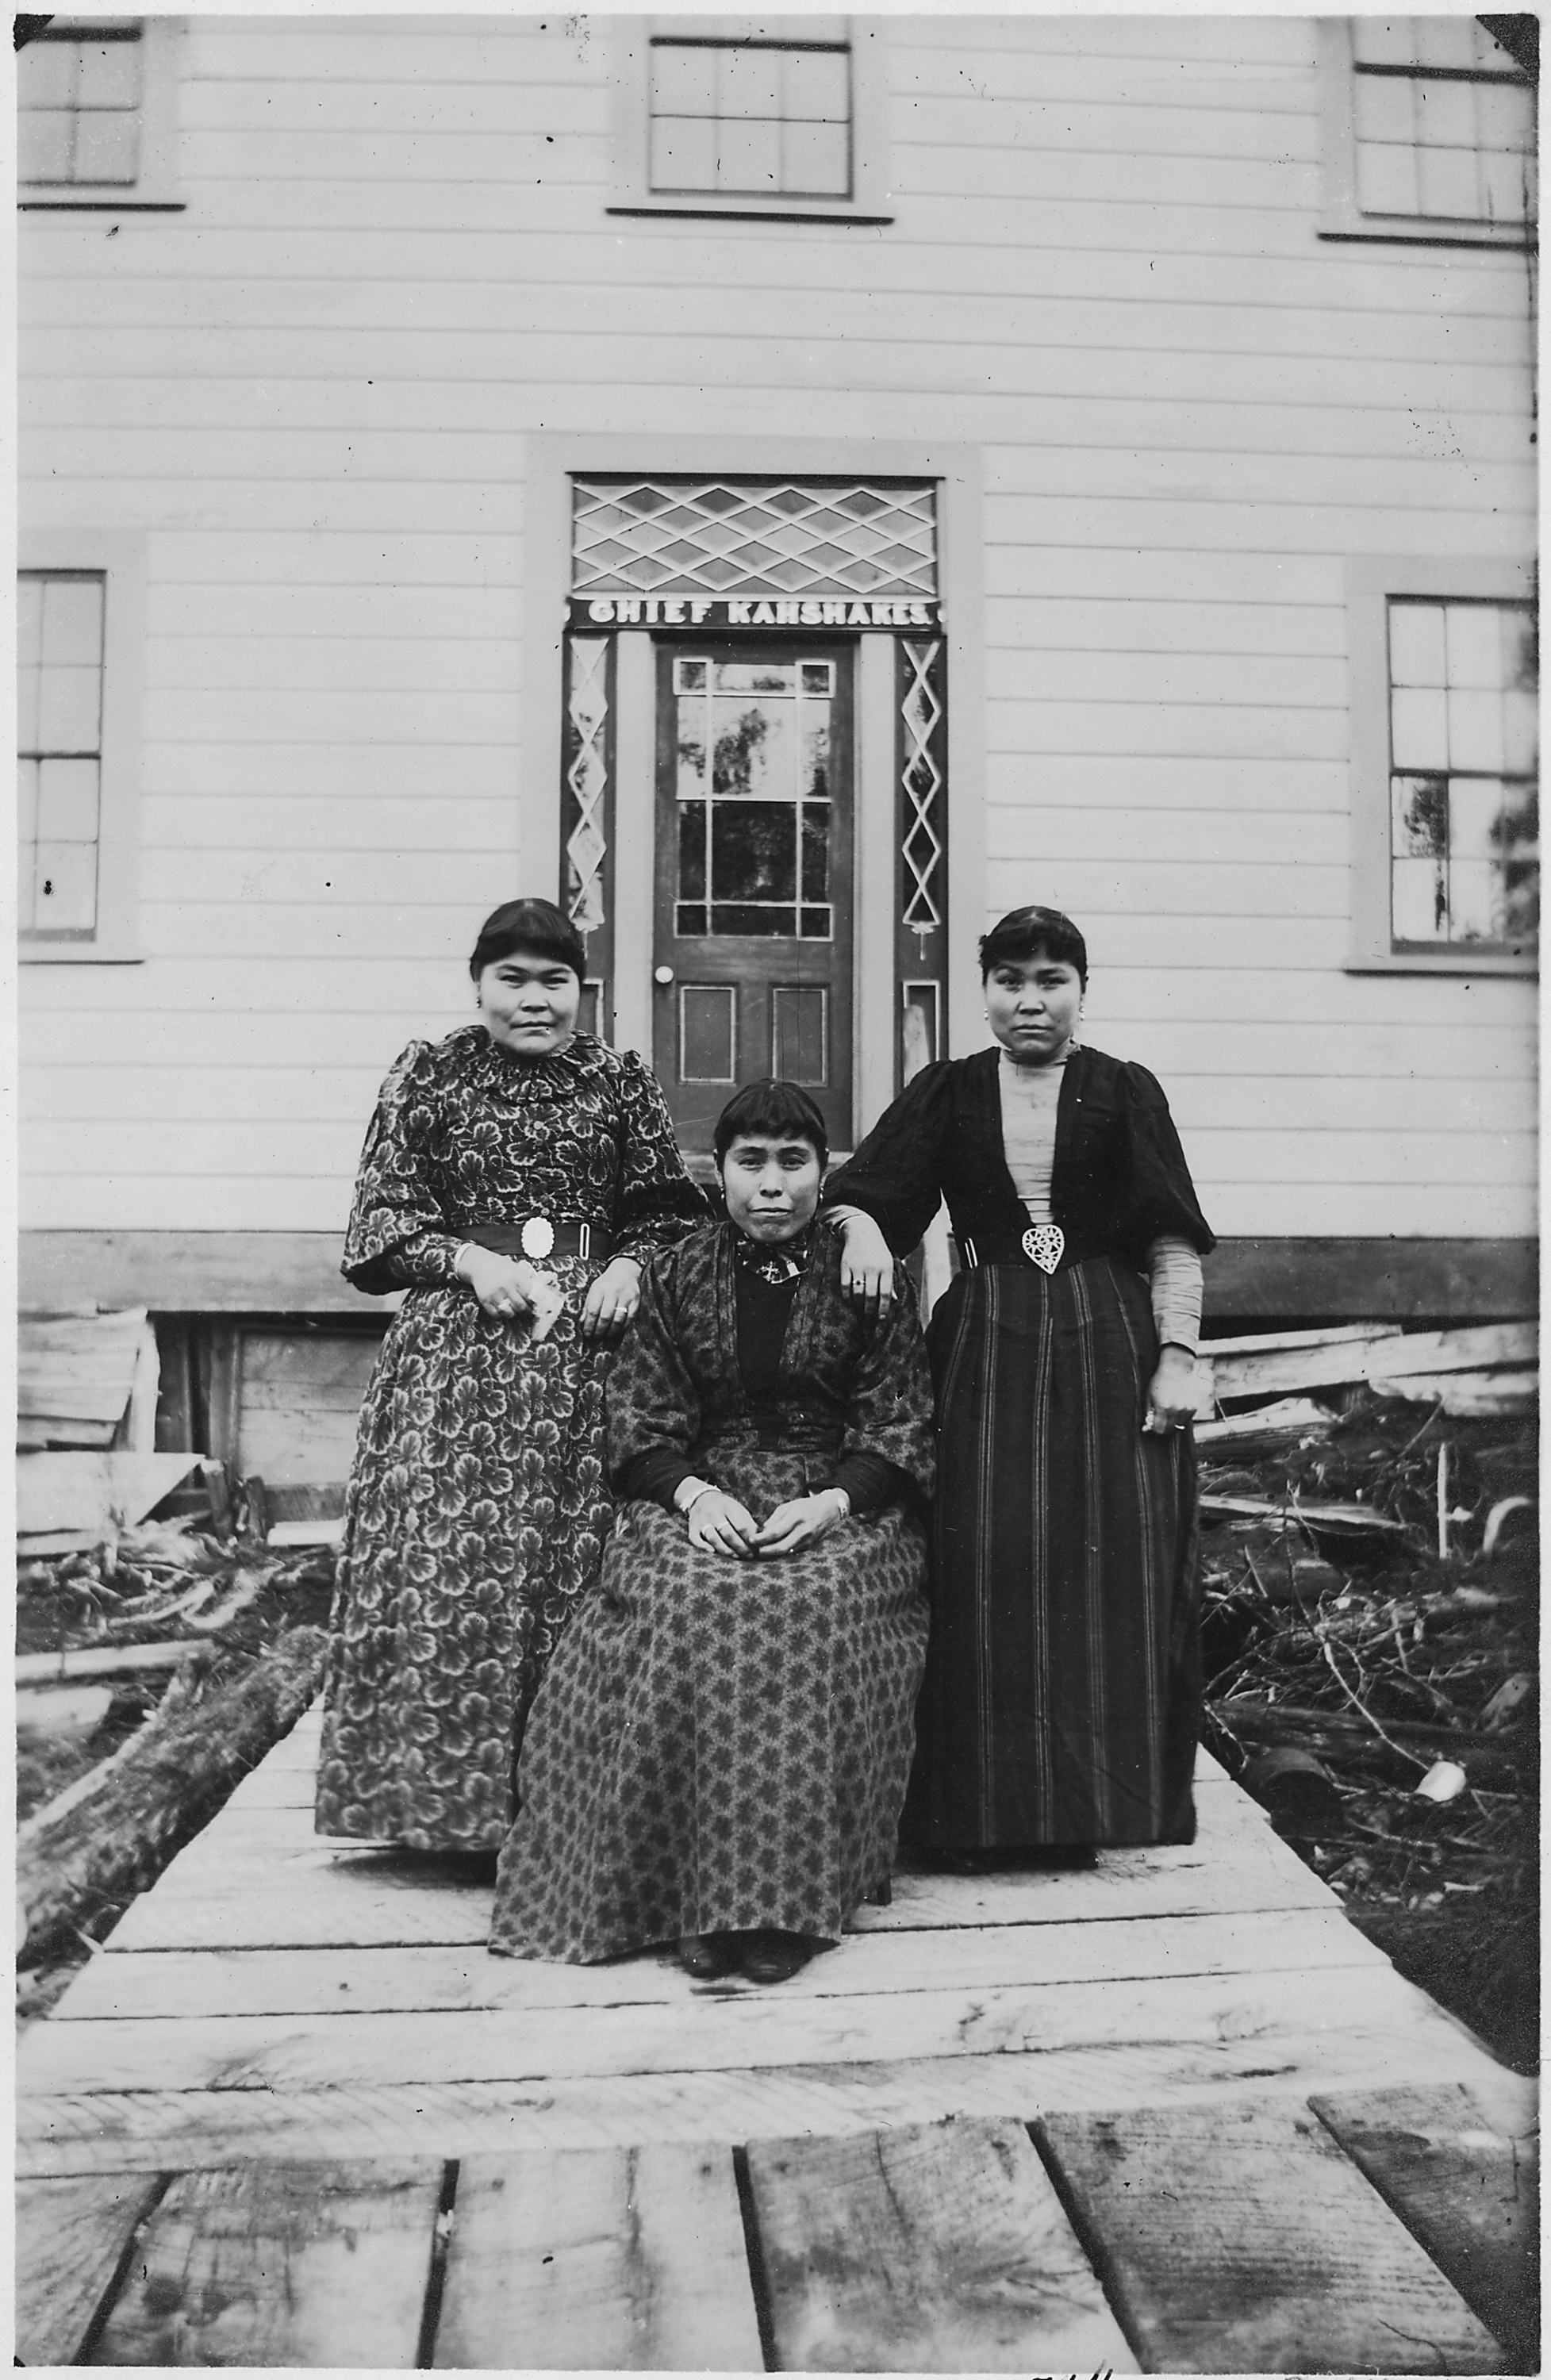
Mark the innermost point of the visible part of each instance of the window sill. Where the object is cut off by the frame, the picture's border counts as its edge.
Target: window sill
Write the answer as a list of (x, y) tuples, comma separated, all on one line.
[(1438, 231), (1456, 960), (744, 210), (62, 202), (76, 954)]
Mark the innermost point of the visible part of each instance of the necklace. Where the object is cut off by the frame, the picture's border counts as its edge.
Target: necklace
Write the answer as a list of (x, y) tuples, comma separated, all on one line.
[(785, 1260)]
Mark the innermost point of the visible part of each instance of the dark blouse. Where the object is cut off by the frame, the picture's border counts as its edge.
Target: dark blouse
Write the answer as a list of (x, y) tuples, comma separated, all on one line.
[(764, 1312), (1119, 1182)]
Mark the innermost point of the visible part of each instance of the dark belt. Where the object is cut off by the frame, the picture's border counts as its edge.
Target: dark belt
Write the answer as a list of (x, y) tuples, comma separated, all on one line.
[(543, 1235)]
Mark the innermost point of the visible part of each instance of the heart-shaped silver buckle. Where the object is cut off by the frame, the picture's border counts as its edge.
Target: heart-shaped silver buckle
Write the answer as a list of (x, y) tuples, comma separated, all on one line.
[(1044, 1244)]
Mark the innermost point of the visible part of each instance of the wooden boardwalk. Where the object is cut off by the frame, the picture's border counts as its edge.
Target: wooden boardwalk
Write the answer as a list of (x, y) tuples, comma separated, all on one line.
[(501, 2163)]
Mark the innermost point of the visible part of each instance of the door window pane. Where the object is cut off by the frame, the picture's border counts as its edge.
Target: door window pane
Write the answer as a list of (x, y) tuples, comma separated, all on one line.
[(760, 843)]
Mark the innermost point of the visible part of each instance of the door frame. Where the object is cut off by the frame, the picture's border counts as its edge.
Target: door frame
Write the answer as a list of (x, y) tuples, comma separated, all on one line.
[(547, 573)]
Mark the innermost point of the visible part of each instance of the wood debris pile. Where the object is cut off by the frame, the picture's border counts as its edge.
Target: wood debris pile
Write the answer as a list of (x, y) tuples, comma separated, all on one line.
[(1370, 1639)]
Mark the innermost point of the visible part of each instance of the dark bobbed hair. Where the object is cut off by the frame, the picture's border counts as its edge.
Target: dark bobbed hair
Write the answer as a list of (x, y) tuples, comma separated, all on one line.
[(535, 927), (1034, 932), (775, 1110)]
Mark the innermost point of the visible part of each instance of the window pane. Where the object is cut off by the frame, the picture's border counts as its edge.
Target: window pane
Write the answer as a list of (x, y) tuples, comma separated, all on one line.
[(1475, 730), (1475, 816), (818, 85), (753, 852), (1420, 817), (28, 690), (1445, 41), (1475, 901), (45, 74), (753, 677), (750, 81), (72, 628), (68, 801), (754, 750), (1384, 108), (1419, 900), (815, 158), (684, 154), (1508, 189), (1445, 113), (1504, 115), (1521, 736), (1447, 183), (1385, 179), (43, 147), (691, 852), (748, 156), (1475, 644), (735, 919), (689, 677), (1416, 648), (816, 762), (66, 888), (110, 74), (816, 853), (816, 924), (1384, 41), (1420, 730), (683, 79), (691, 751), (107, 148), (69, 709)]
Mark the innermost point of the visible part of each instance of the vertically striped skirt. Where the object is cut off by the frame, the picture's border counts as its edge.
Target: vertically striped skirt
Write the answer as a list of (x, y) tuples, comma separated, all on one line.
[(1063, 1691)]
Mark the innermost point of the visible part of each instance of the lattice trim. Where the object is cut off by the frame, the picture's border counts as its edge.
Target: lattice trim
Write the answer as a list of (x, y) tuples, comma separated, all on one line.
[(587, 846), (921, 782), (721, 537)]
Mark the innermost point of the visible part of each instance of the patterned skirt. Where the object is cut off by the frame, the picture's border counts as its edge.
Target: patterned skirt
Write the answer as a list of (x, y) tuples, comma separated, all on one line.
[(720, 1744), (1063, 1692), (475, 1521)]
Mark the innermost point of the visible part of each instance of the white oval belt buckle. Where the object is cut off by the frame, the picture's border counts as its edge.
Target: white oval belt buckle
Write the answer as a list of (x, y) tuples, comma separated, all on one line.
[(538, 1238), (1044, 1244)]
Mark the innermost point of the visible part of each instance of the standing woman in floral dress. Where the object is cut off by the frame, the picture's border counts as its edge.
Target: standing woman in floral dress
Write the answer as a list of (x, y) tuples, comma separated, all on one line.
[(515, 1165)]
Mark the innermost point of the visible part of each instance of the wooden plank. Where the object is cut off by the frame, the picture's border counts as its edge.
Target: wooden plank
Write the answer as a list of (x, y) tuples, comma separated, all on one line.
[(94, 1494), (283, 2264), (90, 2132), (612, 2260), (1239, 2238), (189, 1272), (1471, 1394), (712, 2032), (103, 1660), (1379, 1359), (931, 2248), (177, 1984), (1469, 2192), (80, 1366), (70, 2236)]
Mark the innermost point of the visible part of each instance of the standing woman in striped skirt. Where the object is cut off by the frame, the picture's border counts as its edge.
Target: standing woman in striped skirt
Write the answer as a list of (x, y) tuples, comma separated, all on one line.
[(1063, 1689)]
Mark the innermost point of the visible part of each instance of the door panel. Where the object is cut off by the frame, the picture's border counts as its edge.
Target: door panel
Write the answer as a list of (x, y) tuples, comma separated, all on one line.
[(753, 927)]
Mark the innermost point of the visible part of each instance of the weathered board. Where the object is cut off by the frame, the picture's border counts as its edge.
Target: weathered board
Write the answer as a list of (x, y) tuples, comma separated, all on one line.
[(178, 1983), (1240, 2239), (1469, 2191), (614, 2260), (303, 2264), (70, 2238), (940, 2248)]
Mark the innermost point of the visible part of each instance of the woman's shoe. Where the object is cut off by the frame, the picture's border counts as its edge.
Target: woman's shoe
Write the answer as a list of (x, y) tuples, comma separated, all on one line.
[(707, 1956), (770, 1957)]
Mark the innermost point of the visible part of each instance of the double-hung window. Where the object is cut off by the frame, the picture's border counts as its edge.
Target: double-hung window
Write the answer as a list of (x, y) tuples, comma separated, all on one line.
[(94, 114), (1429, 125), (1444, 676), (79, 604), (724, 115)]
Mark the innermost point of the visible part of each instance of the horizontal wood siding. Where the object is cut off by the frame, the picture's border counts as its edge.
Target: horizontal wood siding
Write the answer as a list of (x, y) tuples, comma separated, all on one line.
[(313, 390)]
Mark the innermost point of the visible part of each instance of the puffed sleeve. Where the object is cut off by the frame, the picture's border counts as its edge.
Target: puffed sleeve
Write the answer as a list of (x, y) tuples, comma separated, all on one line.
[(896, 1174), (653, 1405), (890, 1412), (656, 1202), (1160, 1199), (398, 1233)]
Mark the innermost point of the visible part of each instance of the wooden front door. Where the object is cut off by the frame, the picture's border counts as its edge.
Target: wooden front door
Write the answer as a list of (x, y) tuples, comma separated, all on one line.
[(753, 929)]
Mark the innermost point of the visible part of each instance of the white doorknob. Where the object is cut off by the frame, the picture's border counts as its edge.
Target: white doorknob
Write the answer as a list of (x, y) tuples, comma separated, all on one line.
[(662, 975)]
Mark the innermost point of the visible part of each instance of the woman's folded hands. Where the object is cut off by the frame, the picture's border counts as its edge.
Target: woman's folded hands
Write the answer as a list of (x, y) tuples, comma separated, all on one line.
[(718, 1523)]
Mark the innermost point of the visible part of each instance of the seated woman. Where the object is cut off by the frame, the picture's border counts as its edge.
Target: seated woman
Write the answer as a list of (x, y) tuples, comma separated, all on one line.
[(720, 1750)]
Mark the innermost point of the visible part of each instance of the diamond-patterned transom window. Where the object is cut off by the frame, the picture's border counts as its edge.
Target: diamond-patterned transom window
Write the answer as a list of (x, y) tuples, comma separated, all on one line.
[(753, 537)]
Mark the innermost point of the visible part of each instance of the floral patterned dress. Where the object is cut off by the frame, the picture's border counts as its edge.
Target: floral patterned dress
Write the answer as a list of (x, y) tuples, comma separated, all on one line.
[(478, 1505)]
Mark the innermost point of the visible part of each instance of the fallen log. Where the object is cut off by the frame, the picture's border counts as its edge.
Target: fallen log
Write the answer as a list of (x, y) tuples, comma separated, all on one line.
[(112, 1833), (1343, 1736)]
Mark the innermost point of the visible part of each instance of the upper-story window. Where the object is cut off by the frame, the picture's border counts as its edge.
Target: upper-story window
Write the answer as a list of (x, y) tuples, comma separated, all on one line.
[(764, 119), (735, 116), (94, 114), (1429, 132)]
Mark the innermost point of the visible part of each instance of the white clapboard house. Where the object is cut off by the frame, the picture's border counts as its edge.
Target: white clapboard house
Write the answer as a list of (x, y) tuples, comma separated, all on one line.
[(799, 486)]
